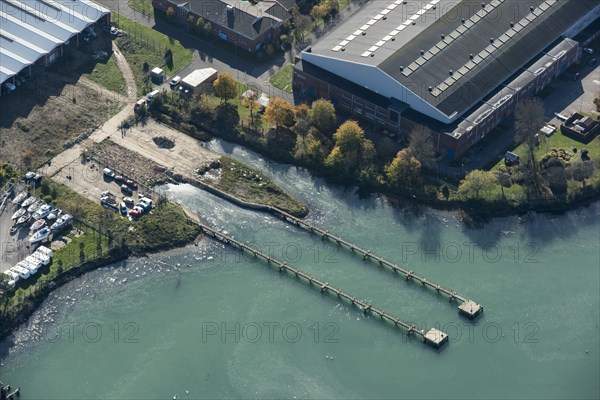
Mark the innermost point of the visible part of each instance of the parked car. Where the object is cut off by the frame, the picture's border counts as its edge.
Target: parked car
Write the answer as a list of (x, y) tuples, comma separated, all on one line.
[(114, 31), (136, 212), (128, 201), (108, 173), (119, 179), (151, 95), (589, 51), (123, 208), (126, 189), (175, 81), (131, 184), (107, 193)]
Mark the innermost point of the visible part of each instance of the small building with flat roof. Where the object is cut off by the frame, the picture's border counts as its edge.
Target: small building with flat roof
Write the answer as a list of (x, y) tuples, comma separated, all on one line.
[(199, 79)]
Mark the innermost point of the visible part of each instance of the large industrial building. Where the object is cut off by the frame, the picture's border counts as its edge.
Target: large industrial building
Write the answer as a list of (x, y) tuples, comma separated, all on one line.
[(37, 32), (457, 67)]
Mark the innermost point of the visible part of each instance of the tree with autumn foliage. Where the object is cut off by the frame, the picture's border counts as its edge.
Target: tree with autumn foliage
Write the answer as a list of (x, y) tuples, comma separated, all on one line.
[(404, 171), (352, 151), (225, 87), (279, 113)]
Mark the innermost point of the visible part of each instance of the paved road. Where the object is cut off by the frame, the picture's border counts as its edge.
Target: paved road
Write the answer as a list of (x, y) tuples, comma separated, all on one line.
[(209, 54)]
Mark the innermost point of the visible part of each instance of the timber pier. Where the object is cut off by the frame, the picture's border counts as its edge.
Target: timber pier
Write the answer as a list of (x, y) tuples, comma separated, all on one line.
[(466, 307), (432, 337)]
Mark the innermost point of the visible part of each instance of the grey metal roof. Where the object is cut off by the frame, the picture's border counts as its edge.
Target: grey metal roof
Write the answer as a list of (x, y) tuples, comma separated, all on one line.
[(31, 29), (468, 28)]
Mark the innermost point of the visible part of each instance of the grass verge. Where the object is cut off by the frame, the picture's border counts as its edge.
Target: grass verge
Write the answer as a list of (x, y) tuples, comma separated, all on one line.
[(145, 45), (108, 75), (252, 186), (143, 6), (282, 79)]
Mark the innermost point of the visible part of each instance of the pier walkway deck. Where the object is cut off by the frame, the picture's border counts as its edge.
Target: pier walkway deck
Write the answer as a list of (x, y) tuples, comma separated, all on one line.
[(432, 337), (466, 307)]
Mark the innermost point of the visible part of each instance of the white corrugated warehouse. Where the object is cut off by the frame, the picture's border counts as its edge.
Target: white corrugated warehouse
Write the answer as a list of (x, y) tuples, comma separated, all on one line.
[(35, 31)]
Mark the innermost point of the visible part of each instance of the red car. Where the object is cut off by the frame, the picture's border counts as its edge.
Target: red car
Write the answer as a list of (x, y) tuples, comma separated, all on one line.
[(135, 213), (131, 184)]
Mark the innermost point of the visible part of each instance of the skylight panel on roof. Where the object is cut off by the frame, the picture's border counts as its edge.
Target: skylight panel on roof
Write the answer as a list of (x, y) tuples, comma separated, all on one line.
[(364, 27), (366, 54), (449, 81), (373, 48), (510, 33), (454, 34), (495, 3), (385, 12), (420, 61), (398, 2), (378, 17), (386, 38), (448, 40), (351, 37), (436, 92), (428, 6), (344, 42), (504, 38), (380, 43), (537, 12), (392, 6), (477, 59), (442, 86), (421, 12), (530, 17), (337, 48), (357, 32), (481, 13), (544, 6), (394, 32), (475, 18), (413, 67), (490, 49), (401, 28), (427, 56), (434, 2), (434, 51), (468, 24), (463, 70), (441, 45), (470, 65), (414, 17)]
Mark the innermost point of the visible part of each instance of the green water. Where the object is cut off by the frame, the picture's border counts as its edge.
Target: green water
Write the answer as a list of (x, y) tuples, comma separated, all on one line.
[(204, 320)]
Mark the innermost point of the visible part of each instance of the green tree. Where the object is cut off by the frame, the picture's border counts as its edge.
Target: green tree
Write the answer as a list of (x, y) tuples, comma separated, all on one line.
[(420, 145), (250, 101), (199, 25), (279, 112), (352, 150), (476, 182), (404, 170), (225, 87), (582, 170), (529, 119), (504, 180), (322, 115), (170, 13), (207, 28)]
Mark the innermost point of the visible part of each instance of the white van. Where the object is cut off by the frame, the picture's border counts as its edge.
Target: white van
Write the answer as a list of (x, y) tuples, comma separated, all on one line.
[(151, 95)]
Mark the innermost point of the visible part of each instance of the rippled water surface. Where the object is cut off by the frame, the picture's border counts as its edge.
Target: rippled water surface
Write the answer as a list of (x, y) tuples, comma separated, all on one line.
[(215, 324)]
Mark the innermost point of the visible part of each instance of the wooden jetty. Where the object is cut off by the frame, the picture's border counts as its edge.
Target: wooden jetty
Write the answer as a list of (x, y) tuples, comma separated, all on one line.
[(432, 337), (467, 307)]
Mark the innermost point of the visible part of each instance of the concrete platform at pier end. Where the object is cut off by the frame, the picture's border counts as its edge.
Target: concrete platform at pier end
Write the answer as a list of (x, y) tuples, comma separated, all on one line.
[(435, 338), (470, 309)]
